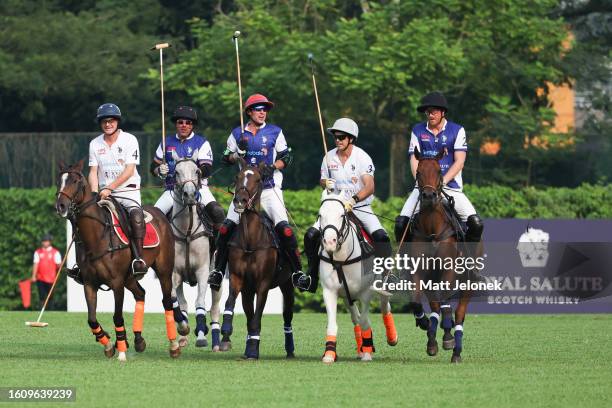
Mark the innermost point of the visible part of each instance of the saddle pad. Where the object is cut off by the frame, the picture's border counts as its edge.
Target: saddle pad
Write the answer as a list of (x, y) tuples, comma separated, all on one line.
[(362, 229), (151, 238), (111, 207)]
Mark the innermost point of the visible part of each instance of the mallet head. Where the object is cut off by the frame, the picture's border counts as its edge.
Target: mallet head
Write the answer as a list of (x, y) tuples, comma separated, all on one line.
[(310, 56), (160, 46), (236, 34)]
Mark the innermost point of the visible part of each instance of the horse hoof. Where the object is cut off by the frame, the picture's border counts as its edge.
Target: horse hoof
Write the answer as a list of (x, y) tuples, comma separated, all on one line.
[(109, 352), (366, 357), (140, 345), (250, 358), (448, 342), (456, 358), (183, 328), (328, 359), (216, 349), (392, 342), (174, 353), (122, 356), (201, 342), (183, 342), (225, 346), (290, 356), (432, 348)]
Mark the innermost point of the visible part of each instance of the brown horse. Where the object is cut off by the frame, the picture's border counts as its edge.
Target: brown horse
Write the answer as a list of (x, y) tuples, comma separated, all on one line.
[(107, 261), (254, 264), (435, 235)]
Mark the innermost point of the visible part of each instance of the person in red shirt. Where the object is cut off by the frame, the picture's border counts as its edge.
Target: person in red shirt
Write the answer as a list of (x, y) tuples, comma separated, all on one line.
[(46, 264)]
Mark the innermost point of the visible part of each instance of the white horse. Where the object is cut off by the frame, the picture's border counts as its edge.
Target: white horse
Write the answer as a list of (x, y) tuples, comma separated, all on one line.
[(341, 269), (192, 256)]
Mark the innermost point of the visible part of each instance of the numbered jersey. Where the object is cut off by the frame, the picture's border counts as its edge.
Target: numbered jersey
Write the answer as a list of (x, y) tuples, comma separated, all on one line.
[(348, 176), (450, 139), (112, 160)]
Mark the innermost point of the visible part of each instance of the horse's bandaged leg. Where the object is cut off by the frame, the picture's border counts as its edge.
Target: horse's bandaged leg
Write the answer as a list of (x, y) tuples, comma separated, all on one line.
[(368, 341), (330, 349), (170, 327), (447, 316), (121, 339), (434, 319), (138, 322), (458, 339), (358, 339), (201, 321), (289, 345), (390, 330), (102, 337)]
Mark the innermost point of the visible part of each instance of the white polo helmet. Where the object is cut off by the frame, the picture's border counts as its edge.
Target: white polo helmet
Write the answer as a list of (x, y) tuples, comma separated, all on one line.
[(345, 125)]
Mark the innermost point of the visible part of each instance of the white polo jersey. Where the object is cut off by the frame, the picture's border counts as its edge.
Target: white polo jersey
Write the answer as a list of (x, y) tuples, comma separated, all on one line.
[(111, 161), (348, 176)]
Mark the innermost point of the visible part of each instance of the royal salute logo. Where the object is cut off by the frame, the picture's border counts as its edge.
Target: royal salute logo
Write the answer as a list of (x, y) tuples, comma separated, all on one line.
[(533, 248)]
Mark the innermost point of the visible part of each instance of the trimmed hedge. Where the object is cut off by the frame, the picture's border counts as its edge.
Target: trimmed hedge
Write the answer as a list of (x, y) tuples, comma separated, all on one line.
[(27, 214)]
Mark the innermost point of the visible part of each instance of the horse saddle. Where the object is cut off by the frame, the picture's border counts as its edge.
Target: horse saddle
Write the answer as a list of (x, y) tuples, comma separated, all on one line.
[(365, 240), (458, 227), (119, 219)]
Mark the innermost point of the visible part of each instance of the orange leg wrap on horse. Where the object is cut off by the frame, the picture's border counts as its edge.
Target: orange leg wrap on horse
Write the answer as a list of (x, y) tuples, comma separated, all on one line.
[(138, 322), (390, 328), (103, 340), (358, 338), (121, 344), (170, 326), (368, 344), (330, 343)]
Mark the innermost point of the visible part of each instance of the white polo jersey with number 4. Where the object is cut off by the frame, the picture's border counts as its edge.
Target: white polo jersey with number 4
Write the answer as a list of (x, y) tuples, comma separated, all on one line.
[(348, 176), (112, 160)]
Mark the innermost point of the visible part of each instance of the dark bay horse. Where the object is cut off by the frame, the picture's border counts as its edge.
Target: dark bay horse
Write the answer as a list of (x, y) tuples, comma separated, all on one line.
[(254, 264), (435, 235), (107, 261)]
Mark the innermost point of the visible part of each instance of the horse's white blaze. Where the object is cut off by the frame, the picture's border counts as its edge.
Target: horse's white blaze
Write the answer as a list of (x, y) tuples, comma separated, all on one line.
[(64, 179), (247, 173)]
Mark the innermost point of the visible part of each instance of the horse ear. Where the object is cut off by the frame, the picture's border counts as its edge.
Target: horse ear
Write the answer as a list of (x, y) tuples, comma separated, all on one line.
[(62, 165), (79, 165), (440, 154), (241, 163), (417, 154)]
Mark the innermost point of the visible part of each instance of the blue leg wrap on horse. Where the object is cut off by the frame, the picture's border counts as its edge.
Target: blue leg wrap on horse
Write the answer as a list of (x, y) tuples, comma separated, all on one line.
[(458, 341), (201, 322), (289, 346), (252, 346), (447, 317), (215, 333), (227, 326), (433, 327)]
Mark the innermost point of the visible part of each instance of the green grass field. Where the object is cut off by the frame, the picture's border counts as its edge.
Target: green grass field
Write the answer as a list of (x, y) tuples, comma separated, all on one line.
[(509, 361)]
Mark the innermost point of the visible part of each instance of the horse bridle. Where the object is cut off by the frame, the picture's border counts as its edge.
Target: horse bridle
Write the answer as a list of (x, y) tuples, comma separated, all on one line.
[(81, 190), (180, 187), (345, 228), (251, 197), (438, 190)]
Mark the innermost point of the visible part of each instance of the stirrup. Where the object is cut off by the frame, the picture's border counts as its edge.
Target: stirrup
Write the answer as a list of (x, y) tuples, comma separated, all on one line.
[(139, 272), (75, 273), (215, 279)]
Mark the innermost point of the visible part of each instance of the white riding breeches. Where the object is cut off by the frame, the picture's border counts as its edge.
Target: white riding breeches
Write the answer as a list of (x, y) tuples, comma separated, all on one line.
[(166, 201), (128, 199), (463, 206), (366, 216), (271, 202)]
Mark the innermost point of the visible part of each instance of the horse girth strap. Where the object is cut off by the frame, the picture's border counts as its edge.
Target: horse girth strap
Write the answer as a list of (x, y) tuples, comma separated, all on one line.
[(447, 233), (337, 265)]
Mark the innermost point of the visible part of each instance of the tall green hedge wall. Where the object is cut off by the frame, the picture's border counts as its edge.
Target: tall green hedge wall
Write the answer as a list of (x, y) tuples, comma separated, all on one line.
[(27, 214)]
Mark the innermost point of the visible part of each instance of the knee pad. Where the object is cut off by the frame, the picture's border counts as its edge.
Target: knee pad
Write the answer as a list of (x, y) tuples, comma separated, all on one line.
[(225, 232), (401, 222), (312, 240), (382, 243), (285, 234), (215, 212), (475, 226)]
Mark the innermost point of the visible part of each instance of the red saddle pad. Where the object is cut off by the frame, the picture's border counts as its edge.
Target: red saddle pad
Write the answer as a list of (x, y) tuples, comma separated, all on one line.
[(151, 239)]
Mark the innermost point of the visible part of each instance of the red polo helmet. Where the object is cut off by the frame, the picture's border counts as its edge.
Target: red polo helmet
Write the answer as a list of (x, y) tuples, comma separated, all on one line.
[(257, 99)]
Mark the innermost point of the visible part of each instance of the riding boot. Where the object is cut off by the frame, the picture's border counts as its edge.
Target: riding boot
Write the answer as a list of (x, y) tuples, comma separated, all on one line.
[(401, 223), (310, 282), (215, 214), (75, 271), (225, 233), (382, 245), (289, 245), (474, 229), (137, 224)]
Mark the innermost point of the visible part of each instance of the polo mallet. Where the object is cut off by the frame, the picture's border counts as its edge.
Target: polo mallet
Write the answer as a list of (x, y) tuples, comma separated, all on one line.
[(235, 38), (314, 85), (161, 47), (38, 323)]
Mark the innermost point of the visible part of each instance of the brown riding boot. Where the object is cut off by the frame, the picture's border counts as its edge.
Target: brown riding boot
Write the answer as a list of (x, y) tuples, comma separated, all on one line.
[(139, 266)]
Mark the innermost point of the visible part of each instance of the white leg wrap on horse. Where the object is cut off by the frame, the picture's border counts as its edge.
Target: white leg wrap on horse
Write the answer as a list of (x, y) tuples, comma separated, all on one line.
[(249, 337), (419, 316), (228, 312), (458, 327), (445, 306), (288, 330), (434, 315), (200, 311), (215, 326), (175, 304)]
